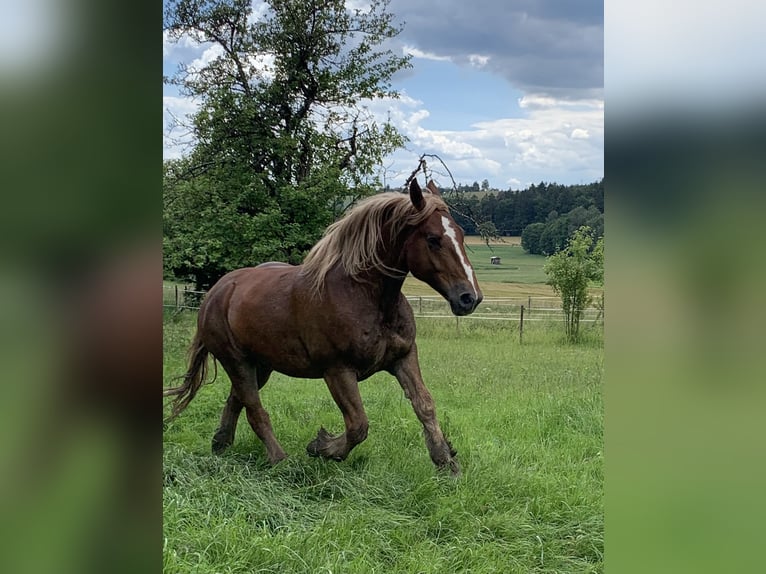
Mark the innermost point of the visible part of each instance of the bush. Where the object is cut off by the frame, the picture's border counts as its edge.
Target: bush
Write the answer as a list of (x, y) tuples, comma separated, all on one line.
[(570, 270)]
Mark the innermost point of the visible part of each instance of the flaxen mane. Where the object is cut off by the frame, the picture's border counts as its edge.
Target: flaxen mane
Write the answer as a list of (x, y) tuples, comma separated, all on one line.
[(354, 239)]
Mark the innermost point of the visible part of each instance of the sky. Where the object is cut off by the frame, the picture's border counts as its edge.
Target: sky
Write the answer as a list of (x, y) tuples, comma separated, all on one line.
[(508, 91)]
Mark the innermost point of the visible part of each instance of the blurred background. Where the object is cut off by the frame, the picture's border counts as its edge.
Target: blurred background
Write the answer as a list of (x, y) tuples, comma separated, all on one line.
[(80, 273), (685, 149)]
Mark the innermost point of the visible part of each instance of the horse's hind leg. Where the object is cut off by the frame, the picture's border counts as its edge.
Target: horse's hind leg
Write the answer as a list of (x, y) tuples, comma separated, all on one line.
[(224, 436), (344, 388), (407, 372), (246, 379)]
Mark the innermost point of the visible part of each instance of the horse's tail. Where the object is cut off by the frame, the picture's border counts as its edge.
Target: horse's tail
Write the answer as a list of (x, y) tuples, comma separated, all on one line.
[(193, 379)]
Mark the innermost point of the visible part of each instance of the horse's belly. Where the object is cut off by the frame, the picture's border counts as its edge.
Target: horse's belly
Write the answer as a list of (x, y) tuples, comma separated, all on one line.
[(283, 349), (315, 355)]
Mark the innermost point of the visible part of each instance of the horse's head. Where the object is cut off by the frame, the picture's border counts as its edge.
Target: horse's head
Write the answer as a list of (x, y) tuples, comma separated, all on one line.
[(435, 255)]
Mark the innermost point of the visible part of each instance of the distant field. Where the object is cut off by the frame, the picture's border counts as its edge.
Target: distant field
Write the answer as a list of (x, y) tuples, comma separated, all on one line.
[(477, 240), (519, 274)]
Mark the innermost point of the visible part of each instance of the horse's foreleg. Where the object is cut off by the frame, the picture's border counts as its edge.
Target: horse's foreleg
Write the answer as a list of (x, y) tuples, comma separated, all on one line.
[(344, 388), (224, 436), (407, 372)]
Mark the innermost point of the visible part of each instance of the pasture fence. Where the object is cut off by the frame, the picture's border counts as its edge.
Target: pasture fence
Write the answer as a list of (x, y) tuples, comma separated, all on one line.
[(520, 309)]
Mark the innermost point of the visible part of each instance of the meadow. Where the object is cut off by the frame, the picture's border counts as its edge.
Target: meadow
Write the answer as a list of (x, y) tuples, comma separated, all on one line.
[(518, 273), (526, 420)]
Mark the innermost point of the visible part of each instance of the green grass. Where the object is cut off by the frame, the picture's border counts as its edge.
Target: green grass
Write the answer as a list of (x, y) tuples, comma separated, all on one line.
[(518, 275), (516, 265), (526, 421)]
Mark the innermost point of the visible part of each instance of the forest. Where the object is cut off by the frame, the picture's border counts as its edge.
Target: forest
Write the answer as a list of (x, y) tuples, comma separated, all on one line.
[(544, 215)]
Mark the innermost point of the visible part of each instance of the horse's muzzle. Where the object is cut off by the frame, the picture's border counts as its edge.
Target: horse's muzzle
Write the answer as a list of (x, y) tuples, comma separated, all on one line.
[(465, 303)]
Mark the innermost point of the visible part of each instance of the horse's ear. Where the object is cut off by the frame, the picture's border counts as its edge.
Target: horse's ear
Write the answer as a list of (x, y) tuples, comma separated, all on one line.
[(416, 195), (431, 186)]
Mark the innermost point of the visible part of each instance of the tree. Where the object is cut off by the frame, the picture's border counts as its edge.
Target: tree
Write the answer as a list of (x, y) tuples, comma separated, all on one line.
[(551, 236), (530, 237), (284, 138), (554, 236), (569, 272)]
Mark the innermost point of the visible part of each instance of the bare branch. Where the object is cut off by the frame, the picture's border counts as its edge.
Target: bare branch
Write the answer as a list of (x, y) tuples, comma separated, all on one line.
[(482, 229)]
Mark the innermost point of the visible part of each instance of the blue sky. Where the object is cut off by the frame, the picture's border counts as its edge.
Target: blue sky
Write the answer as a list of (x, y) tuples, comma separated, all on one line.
[(505, 90), (459, 96)]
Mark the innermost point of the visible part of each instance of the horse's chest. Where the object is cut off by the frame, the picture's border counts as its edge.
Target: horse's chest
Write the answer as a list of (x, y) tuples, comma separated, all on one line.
[(378, 348)]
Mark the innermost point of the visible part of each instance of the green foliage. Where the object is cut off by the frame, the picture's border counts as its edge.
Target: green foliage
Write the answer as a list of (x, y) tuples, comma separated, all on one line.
[(512, 211), (554, 236), (526, 420), (549, 237), (530, 238), (487, 231), (569, 271), (284, 140)]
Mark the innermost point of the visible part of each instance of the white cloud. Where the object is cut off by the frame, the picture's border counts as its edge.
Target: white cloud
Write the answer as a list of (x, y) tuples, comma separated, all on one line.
[(557, 140), (416, 53), (477, 60), (579, 134), (181, 48), (544, 101), (260, 9), (209, 55)]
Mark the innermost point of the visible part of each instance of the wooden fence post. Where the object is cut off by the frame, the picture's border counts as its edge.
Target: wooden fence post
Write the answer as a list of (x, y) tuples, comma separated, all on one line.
[(176, 290), (420, 305), (521, 325)]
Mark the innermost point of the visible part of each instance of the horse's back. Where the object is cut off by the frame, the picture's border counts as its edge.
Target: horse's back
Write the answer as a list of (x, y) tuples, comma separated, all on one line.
[(247, 289)]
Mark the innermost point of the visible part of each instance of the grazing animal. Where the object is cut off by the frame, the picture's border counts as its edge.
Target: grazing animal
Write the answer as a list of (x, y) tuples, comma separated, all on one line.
[(340, 316)]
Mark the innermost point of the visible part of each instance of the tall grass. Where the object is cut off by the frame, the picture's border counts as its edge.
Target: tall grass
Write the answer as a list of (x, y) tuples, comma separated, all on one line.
[(526, 421)]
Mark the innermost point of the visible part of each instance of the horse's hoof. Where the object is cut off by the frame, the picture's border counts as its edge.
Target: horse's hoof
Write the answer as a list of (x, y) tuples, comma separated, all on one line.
[(276, 460), (315, 447), (453, 466), (218, 447), (322, 446)]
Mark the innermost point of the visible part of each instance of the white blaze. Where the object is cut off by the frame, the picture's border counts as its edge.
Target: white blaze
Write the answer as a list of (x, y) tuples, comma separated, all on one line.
[(449, 231)]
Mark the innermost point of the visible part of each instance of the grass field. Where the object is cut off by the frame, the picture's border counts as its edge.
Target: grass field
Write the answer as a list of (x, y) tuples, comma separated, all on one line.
[(518, 275), (526, 421)]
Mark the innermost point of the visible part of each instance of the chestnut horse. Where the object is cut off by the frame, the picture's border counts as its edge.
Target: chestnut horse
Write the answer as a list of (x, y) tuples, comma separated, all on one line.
[(340, 316)]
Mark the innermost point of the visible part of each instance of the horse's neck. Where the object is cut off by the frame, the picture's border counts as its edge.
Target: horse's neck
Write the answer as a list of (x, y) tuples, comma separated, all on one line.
[(382, 288), (390, 289), (390, 284)]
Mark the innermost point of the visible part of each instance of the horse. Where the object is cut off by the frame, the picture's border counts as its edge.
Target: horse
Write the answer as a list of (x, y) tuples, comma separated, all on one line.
[(340, 316)]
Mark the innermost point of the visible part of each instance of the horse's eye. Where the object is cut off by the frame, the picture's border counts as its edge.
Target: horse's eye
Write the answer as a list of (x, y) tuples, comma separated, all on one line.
[(434, 242)]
